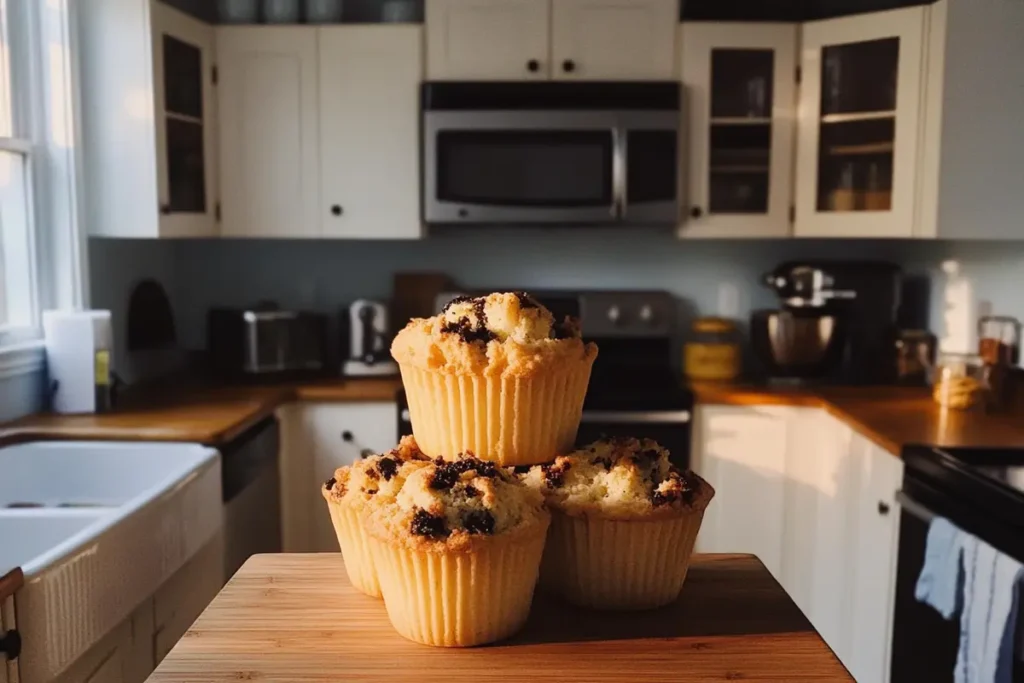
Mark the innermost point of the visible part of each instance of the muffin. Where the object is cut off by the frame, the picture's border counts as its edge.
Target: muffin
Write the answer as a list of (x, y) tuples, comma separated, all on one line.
[(348, 492), (494, 376), (458, 552), (624, 521)]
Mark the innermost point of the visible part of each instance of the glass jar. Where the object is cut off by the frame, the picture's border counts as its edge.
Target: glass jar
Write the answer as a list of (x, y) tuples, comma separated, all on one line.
[(915, 357), (713, 350), (959, 381), (999, 340)]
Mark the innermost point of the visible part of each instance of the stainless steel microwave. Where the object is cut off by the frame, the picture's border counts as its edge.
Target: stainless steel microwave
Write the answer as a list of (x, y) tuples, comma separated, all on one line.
[(551, 153)]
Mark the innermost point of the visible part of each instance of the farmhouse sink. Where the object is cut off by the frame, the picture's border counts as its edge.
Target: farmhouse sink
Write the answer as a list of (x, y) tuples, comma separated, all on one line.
[(97, 527)]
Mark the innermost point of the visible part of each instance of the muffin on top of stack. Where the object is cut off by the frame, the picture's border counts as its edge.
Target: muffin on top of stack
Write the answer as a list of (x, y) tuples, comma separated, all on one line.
[(454, 545)]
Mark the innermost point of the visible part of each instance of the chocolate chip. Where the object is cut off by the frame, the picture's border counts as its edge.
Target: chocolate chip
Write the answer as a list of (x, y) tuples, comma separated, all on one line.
[(691, 485), (554, 475), (388, 468), (472, 492), (522, 469), (606, 463), (329, 484), (372, 474), (447, 473), (667, 498), (526, 301), (454, 302), (426, 524), (569, 328), (478, 522)]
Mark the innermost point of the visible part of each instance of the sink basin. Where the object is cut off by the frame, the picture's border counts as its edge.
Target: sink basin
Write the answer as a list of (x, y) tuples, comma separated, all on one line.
[(97, 527)]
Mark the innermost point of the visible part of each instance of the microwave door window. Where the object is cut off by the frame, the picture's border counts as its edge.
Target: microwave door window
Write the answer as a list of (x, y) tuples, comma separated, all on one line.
[(526, 169)]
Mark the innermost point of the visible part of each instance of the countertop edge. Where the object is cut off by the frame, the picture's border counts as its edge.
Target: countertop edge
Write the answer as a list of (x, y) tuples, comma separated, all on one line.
[(10, 583)]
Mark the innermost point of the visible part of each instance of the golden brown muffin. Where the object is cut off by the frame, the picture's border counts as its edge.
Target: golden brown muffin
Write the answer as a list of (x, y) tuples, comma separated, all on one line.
[(624, 522), (457, 552), (496, 376), (379, 477)]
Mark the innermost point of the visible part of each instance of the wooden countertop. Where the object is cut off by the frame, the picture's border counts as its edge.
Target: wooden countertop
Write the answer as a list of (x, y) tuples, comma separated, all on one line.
[(296, 617), (892, 417), (208, 415), (10, 583)]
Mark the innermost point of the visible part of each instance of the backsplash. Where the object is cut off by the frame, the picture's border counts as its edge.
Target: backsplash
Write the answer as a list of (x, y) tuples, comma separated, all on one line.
[(325, 275)]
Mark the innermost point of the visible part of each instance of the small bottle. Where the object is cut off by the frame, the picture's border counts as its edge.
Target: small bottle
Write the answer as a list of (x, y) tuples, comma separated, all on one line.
[(844, 197)]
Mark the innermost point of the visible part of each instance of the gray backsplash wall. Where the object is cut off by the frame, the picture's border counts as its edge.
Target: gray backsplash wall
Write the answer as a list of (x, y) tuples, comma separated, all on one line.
[(325, 275)]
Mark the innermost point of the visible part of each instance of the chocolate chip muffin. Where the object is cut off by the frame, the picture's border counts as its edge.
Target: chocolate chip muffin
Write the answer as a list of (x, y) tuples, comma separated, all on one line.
[(624, 522), (457, 552), (497, 376), (379, 477)]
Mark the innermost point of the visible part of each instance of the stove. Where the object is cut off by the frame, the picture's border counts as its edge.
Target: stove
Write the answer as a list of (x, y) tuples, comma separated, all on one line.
[(633, 390)]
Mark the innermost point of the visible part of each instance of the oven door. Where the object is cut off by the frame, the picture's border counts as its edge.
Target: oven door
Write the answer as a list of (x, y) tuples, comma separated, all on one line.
[(522, 167), (670, 428)]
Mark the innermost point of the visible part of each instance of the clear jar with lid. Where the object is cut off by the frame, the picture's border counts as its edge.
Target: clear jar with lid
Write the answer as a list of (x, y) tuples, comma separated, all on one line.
[(713, 350), (959, 381)]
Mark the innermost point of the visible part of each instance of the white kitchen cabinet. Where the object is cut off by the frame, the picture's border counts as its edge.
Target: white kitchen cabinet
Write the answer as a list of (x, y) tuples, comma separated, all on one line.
[(740, 82), (369, 131), (501, 40), (148, 116), (269, 131), (614, 39), (873, 559), (860, 121), (183, 597), (318, 438), (741, 451)]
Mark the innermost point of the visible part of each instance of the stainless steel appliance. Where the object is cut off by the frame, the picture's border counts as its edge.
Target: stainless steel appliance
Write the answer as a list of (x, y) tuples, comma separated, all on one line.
[(566, 153), (369, 340), (837, 322), (251, 491), (265, 342), (633, 389), (981, 491)]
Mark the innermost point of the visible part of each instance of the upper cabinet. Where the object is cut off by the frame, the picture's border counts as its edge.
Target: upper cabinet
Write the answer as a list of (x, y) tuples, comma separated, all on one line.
[(269, 146), (599, 40), (860, 116), (148, 120), (740, 82), (369, 131), (505, 40)]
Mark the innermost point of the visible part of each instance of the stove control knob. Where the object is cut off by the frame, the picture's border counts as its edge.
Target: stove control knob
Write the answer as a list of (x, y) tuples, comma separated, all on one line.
[(647, 314), (614, 315)]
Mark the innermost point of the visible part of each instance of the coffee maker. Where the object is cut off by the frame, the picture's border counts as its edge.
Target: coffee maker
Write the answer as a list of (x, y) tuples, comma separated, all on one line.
[(837, 323)]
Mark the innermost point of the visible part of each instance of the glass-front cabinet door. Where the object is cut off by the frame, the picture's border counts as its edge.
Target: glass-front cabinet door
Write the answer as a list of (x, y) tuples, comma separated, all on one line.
[(741, 93), (860, 101), (185, 123)]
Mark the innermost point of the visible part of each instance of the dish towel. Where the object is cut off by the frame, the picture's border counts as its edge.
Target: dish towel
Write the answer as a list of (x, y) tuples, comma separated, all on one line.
[(938, 585), (989, 616)]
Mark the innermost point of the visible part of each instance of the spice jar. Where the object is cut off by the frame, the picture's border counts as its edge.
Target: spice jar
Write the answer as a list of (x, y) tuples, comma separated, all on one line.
[(713, 350), (999, 348), (959, 381)]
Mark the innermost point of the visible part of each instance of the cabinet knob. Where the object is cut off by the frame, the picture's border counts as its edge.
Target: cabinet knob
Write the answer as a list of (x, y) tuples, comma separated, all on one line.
[(533, 65), (10, 645), (165, 209), (696, 212), (568, 66), (337, 210), (463, 213), (883, 507), (347, 437)]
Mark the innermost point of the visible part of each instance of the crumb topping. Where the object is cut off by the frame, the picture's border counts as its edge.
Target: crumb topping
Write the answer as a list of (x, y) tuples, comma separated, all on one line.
[(378, 474), (618, 478), (501, 332)]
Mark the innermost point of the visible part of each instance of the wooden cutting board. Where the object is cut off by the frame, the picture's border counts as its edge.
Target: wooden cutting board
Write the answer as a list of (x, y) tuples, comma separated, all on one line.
[(297, 618)]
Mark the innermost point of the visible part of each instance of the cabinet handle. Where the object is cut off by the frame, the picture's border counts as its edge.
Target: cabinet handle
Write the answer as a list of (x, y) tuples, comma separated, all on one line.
[(883, 508), (337, 210), (568, 66), (696, 212), (533, 65), (347, 437), (165, 209), (10, 645)]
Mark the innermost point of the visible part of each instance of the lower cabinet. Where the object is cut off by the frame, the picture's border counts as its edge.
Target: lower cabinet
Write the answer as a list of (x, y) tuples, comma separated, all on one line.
[(816, 502), (316, 439)]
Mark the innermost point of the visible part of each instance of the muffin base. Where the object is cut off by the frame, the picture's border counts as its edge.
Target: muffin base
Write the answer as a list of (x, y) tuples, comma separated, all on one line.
[(507, 420), (462, 598), (618, 564), (355, 549)]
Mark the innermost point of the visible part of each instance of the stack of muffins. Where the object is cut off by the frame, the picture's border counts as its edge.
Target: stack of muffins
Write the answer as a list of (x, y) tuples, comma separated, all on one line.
[(455, 525)]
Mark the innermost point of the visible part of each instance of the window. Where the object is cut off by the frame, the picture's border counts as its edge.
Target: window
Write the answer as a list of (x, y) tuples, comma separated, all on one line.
[(39, 245)]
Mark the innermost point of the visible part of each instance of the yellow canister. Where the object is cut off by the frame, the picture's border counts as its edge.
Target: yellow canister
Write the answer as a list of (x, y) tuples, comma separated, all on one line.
[(713, 350)]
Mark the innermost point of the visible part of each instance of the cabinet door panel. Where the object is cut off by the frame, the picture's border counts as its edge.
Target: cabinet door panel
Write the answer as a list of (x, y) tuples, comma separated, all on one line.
[(487, 39), (369, 131), (874, 562), (186, 123), (341, 432), (269, 131), (807, 428), (743, 455), (614, 39), (860, 105), (741, 96)]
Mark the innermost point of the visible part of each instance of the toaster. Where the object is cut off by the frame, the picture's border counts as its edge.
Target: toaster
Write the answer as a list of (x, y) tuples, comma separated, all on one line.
[(266, 343)]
